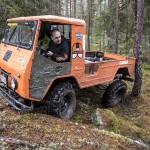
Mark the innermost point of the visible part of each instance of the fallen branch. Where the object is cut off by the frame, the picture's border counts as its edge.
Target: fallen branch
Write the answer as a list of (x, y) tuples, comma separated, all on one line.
[(17, 142)]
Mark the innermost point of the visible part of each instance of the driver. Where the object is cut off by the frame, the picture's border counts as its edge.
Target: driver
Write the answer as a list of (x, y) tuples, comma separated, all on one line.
[(58, 49)]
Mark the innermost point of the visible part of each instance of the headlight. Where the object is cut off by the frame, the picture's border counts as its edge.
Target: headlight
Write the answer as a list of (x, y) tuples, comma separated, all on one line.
[(14, 83)]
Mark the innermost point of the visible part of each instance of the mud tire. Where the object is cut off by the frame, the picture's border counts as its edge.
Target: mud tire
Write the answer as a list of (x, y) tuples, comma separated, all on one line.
[(61, 101), (114, 93)]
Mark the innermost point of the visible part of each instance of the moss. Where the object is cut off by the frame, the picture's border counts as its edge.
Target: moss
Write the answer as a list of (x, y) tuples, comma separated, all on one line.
[(129, 128), (146, 66), (118, 124), (143, 122), (77, 118), (110, 120)]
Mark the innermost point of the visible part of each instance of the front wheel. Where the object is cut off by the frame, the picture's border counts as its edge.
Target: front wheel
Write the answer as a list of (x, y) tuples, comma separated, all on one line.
[(114, 93), (61, 101)]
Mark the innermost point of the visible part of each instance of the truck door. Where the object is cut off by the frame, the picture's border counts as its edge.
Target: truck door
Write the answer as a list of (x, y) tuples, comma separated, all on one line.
[(77, 49)]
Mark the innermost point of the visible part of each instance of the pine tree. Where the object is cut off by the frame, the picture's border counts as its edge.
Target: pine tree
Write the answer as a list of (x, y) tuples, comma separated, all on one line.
[(75, 8), (137, 47), (70, 8), (88, 23), (66, 8), (117, 25)]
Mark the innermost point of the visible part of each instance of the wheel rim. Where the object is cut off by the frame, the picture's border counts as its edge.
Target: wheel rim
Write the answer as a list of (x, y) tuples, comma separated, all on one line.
[(66, 106), (118, 96), (64, 103)]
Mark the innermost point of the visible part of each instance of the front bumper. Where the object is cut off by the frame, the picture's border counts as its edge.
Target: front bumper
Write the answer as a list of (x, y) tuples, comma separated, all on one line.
[(7, 94)]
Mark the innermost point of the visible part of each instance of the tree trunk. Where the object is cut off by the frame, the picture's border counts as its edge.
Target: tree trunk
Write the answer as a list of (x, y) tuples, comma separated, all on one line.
[(59, 7), (81, 9), (100, 45), (74, 8), (66, 8), (137, 49), (117, 26), (149, 50), (89, 23), (70, 9), (51, 8), (104, 41), (127, 26)]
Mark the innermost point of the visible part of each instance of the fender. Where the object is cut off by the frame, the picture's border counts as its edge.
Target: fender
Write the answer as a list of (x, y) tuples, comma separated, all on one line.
[(71, 78)]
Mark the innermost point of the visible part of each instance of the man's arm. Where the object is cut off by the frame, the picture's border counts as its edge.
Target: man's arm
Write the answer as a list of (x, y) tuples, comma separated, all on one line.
[(63, 53), (57, 57)]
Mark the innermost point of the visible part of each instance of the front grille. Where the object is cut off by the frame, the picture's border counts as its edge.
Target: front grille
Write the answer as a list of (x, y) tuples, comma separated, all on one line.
[(7, 55)]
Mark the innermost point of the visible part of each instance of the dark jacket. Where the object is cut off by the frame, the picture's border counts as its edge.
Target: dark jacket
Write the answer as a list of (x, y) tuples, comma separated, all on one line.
[(59, 50)]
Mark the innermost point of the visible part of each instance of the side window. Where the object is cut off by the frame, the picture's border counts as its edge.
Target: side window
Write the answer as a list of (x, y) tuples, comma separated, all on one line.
[(64, 29), (54, 48)]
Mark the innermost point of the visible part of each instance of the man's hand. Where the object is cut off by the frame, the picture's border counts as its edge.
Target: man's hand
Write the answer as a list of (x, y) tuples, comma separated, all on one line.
[(60, 58), (49, 53)]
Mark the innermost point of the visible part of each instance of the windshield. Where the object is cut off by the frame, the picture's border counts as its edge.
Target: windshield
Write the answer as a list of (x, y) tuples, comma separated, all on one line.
[(20, 34)]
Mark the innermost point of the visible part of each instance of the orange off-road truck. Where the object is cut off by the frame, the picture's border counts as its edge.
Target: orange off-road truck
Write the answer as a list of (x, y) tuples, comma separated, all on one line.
[(27, 77)]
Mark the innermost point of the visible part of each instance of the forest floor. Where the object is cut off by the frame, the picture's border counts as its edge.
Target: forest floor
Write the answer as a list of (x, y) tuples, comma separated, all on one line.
[(36, 130)]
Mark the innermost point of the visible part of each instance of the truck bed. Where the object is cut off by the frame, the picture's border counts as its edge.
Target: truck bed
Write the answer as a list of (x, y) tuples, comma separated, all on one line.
[(102, 67)]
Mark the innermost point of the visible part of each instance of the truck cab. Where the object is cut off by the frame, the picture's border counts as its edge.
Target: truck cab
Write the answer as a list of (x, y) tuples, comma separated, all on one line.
[(27, 76)]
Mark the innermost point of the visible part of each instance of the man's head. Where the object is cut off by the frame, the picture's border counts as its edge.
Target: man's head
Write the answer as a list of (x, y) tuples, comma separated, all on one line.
[(56, 36)]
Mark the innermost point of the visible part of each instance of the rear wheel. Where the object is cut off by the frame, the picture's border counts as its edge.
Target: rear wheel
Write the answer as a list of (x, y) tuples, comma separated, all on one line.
[(61, 101), (114, 93)]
